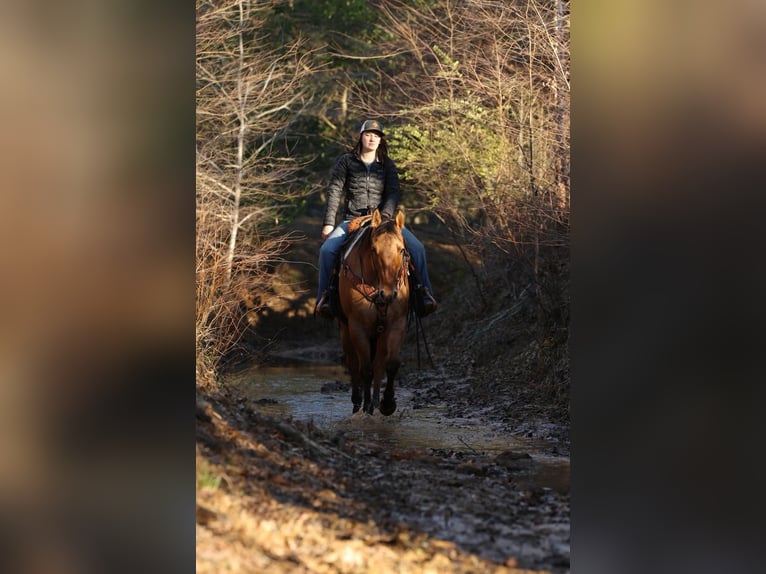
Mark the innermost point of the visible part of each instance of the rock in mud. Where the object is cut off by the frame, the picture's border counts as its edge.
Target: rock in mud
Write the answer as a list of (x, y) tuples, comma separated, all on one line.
[(334, 387), (513, 460)]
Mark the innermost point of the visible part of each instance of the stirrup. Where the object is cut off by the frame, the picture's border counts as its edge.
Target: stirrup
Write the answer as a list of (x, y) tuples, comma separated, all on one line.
[(429, 303), (323, 308)]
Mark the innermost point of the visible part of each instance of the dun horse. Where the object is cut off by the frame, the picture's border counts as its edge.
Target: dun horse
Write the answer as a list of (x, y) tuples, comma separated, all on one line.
[(374, 293)]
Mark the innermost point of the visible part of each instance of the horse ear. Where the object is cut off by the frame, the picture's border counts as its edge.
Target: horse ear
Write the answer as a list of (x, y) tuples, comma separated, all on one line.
[(399, 218), (376, 218)]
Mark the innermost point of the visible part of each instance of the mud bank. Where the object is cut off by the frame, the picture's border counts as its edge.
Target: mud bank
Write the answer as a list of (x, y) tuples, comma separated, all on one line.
[(285, 496)]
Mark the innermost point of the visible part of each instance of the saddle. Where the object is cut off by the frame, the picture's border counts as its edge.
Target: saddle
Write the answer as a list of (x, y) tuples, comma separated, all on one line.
[(355, 231)]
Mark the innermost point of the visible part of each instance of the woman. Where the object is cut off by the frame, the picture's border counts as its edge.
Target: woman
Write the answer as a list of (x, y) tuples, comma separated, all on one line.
[(365, 178)]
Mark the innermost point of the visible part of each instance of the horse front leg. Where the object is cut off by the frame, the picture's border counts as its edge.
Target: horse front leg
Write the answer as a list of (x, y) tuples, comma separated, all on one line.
[(371, 400), (356, 391), (388, 404), (392, 364), (379, 369), (352, 363), (360, 387), (367, 385), (375, 390)]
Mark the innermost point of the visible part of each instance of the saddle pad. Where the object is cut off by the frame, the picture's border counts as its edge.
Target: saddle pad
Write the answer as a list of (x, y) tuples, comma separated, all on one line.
[(351, 240)]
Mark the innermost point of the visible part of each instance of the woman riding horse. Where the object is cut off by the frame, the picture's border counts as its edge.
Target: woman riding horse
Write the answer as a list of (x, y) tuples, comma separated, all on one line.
[(366, 179)]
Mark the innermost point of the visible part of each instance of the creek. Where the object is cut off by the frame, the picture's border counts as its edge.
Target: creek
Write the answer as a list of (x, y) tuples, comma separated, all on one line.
[(319, 394)]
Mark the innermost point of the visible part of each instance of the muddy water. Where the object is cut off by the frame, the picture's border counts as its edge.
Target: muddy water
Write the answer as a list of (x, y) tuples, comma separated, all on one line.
[(297, 393)]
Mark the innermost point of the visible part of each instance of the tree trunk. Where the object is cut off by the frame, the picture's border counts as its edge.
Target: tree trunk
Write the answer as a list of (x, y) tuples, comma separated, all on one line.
[(562, 107), (241, 100)]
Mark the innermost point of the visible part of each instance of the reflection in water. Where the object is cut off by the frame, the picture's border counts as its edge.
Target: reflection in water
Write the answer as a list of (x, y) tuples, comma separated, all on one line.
[(295, 392)]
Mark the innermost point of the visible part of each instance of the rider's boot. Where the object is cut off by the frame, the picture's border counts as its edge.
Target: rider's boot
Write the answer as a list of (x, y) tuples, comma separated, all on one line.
[(429, 303), (323, 306)]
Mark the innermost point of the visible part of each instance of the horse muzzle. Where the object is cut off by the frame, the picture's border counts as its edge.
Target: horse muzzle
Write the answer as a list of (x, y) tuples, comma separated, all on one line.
[(381, 299)]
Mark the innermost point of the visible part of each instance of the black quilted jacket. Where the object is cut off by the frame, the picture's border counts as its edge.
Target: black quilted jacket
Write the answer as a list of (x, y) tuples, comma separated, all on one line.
[(359, 190)]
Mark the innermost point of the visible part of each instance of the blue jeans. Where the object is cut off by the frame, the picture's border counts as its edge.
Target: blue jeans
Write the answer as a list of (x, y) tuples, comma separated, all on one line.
[(331, 246)]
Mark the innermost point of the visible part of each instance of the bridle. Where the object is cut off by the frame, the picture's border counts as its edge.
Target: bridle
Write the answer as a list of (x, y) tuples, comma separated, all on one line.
[(373, 294)]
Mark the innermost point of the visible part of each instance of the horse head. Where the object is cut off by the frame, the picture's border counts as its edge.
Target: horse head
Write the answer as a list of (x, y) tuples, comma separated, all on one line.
[(389, 255)]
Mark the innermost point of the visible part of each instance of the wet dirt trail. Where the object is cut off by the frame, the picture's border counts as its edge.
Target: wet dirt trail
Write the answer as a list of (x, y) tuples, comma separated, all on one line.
[(470, 474), (320, 396), (315, 489)]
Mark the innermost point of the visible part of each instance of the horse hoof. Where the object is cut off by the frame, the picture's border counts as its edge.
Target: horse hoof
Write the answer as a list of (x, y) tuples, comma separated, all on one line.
[(387, 408), (356, 409)]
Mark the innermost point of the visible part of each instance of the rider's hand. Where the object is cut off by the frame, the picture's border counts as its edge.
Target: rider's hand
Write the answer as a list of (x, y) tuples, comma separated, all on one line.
[(326, 230)]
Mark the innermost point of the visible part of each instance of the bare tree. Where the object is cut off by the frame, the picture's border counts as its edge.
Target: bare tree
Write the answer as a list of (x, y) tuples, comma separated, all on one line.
[(249, 92), (483, 136), (487, 88)]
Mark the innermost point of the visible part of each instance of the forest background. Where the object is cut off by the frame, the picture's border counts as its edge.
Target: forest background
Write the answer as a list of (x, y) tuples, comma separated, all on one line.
[(475, 99)]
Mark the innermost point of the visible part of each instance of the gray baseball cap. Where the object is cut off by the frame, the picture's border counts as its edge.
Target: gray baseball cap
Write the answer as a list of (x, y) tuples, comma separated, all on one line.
[(371, 126)]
